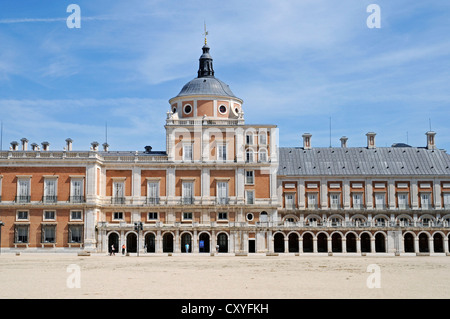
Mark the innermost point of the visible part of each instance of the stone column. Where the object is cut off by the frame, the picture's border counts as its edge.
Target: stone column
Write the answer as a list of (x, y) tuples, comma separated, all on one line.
[(286, 244), (300, 245), (358, 245), (314, 244), (372, 245)]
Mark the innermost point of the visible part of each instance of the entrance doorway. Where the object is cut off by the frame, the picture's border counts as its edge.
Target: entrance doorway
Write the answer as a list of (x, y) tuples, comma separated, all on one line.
[(168, 243), (113, 240), (222, 241), (131, 243), (150, 243), (252, 246), (186, 243), (203, 243)]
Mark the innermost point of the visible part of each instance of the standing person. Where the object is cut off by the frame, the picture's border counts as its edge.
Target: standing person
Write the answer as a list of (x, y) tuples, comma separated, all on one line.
[(112, 250), (217, 249), (123, 249), (187, 248)]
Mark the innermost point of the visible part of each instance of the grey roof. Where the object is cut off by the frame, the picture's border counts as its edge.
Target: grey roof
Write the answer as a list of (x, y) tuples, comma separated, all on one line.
[(206, 86), (357, 161)]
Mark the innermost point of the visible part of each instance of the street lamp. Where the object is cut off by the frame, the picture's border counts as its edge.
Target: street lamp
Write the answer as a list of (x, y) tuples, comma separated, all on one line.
[(1, 224), (138, 226)]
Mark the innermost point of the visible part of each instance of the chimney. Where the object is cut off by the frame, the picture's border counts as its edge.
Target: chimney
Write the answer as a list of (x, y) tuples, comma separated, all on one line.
[(148, 149), (94, 146), (14, 145), (307, 141), (371, 139), (430, 140), (105, 147), (69, 144), (344, 141), (34, 147), (45, 146), (24, 144)]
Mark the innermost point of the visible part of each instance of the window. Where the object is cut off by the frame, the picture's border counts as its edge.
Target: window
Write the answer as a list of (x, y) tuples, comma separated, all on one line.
[(289, 201), (262, 138), (402, 200), (118, 216), (249, 216), (152, 216), (49, 215), (48, 233), (249, 139), (153, 193), (187, 216), (222, 109), (357, 201), (335, 201), (222, 193), (222, 152), (187, 152), (263, 217), (187, 192), (75, 234), (249, 155), (23, 190), (222, 216), (249, 180), (425, 200), (380, 200), (118, 192), (380, 222), (187, 109), (21, 234), (75, 215), (446, 200), (263, 155), (22, 215), (76, 190), (50, 190), (426, 222), (403, 222), (250, 196), (312, 200)]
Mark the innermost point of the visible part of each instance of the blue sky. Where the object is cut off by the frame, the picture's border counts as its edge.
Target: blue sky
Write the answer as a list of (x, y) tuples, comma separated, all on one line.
[(295, 64)]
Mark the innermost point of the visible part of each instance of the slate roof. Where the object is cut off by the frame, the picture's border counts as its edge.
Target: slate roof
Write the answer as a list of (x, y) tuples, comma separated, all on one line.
[(206, 86), (357, 161)]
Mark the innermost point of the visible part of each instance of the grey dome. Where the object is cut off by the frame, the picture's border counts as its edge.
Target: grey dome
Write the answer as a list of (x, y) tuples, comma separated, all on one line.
[(206, 86)]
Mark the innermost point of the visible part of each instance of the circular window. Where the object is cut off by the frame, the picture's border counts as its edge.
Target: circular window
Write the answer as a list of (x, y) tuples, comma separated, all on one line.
[(187, 109), (174, 110), (222, 109), (249, 216)]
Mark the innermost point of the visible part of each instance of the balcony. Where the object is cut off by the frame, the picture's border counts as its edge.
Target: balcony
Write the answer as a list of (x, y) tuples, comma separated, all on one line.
[(76, 199), (187, 200), (118, 200), (222, 201), (23, 199), (152, 201), (49, 199)]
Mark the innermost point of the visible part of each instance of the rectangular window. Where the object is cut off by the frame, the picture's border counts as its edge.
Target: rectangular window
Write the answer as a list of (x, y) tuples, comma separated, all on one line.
[(262, 155), (187, 192), (119, 192), (222, 152), (425, 201), (222, 216), (50, 190), (289, 201), (446, 200), (262, 138), (49, 215), (250, 197), (249, 139), (153, 193), (22, 215), (187, 152), (357, 201), (249, 178), (118, 216), (21, 234), (75, 234), (152, 216), (402, 200), (76, 190), (75, 215), (23, 190), (49, 234), (312, 201), (249, 155), (222, 193), (187, 216), (335, 201), (380, 201)]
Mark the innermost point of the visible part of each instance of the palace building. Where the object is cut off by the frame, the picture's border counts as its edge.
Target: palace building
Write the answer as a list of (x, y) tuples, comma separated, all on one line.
[(224, 185)]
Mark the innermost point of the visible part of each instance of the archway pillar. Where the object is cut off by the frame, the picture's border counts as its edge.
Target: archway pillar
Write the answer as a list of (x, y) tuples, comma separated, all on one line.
[(445, 239), (158, 242), (314, 244), (431, 244), (286, 244), (344, 244), (300, 245), (416, 244), (372, 245), (329, 245), (358, 245)]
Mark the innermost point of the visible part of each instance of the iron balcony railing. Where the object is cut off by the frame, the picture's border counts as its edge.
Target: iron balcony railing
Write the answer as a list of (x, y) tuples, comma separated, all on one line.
[(49, 199), (23, 199), (76, 199), (152, 201), (118, 200), (222, 201), (187, 200)]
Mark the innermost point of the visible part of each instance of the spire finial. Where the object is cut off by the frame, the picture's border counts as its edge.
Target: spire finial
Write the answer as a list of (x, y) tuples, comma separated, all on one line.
[(206, 33)]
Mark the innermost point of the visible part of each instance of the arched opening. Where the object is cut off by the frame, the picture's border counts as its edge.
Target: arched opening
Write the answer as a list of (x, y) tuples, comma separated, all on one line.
[(423, 243), (222, 241), (408, 243), (308, 243), (336, 243), (203, 243), (131, 243), (322, 243), (150, 243), (351, 243), (438, 242), (380, 243), (168, 243), (186, 243), (113, 243), (365, 243), (278, 243), (293, 243)]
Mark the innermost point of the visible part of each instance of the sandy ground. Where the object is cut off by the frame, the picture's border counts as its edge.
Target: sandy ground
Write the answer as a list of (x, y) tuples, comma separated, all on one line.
[(195, 277)]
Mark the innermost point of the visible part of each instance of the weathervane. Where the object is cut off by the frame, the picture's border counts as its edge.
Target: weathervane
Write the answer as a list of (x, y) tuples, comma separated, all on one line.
[(205, 34)]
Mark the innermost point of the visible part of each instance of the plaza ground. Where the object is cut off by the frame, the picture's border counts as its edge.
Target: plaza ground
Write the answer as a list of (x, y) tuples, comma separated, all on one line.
[(42, 276)]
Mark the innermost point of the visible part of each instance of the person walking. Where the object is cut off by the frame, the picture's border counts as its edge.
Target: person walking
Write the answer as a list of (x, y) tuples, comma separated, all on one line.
[(123, 249), (113, 253)]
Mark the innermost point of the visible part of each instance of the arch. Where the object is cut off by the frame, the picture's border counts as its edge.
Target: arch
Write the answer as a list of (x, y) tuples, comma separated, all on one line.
[(168, 242), (381, 220), (278, 242), (423, 243), (404, 220), (186, 242), (358, 220), (113, 241), (308, 246), (336, 220), (132, 244), (365, 242), (322, 242), (205, 238), (351, 242), (336, 242), (150, 242), (222, 242), (263, 217), (408, 242), (438, 242), (295, 218), (426, 220), (380, 242), (293, 242)]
